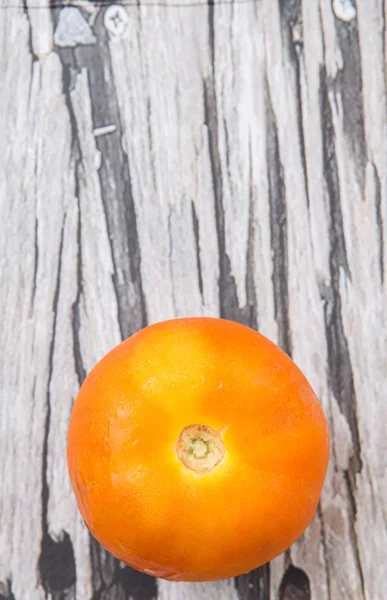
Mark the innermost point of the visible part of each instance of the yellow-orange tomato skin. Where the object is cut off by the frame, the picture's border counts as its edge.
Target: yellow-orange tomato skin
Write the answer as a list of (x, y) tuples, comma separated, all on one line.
[(143, 504)]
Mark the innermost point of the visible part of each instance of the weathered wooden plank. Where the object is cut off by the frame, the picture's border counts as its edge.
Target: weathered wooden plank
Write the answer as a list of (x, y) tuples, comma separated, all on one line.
[(164, 161)]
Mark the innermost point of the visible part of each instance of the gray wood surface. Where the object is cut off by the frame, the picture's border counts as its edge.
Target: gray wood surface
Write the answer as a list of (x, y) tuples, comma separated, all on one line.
[(161, 161)]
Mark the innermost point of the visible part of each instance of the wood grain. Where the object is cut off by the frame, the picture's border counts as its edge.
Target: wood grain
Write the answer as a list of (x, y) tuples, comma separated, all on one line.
[(166, 159)]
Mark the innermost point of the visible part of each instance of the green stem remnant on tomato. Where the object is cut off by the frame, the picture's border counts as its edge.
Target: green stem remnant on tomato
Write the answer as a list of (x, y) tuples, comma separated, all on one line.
[(200, 448)]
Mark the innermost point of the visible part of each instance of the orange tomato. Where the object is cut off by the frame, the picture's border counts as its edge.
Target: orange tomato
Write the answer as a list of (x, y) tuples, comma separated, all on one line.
[(197, 450)]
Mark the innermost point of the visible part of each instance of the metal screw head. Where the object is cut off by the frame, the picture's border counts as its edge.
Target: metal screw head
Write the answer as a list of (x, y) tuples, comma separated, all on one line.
[(115, 20)]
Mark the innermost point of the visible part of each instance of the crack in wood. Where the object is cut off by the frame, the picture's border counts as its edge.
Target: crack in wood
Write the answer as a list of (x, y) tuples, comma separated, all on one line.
[(348, 477), (325, 550), (295, 53), (75, 309), (251, 296), (379, 220), (339, 361), (6, 590), (56, 561), (348, 84), (228, 298), (26, 10), (170, 260), (116, 187), (278, 229), (295, 585), (77, 162), (291, 11), (254, 585), (195, 226), (36, 262)]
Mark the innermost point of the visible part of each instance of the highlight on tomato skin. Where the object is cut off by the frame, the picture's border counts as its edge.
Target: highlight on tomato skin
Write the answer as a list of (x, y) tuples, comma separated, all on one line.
[(197, 450)]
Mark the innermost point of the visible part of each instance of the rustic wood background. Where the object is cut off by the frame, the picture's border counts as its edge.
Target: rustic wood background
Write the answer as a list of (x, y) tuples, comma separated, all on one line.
[(166, 159)]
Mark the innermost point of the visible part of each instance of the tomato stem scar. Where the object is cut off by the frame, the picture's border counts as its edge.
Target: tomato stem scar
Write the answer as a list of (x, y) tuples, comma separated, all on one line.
[(200, 448)]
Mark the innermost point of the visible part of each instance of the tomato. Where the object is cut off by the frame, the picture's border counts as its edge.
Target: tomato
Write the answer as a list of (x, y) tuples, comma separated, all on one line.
[(197, 450)]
